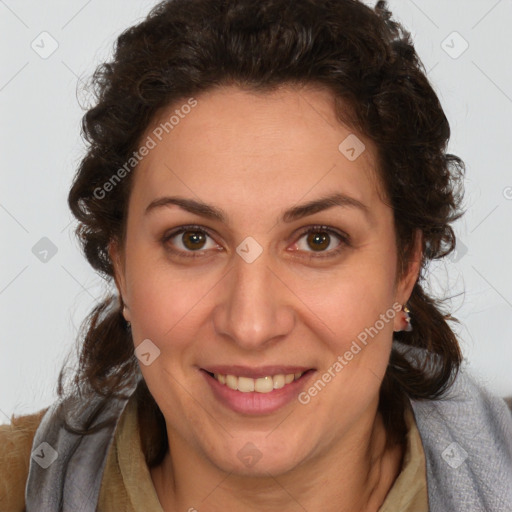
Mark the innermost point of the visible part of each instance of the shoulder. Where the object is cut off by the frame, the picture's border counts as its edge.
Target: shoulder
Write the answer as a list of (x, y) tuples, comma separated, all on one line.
[(469, 405), (16, 441), (78, 430), (467, 437)]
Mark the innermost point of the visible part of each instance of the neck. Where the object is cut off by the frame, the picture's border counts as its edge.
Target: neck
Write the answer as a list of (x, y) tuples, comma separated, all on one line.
[(355, 474)]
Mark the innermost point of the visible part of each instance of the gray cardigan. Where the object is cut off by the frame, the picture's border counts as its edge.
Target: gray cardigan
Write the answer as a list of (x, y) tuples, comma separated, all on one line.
[(467, 438)]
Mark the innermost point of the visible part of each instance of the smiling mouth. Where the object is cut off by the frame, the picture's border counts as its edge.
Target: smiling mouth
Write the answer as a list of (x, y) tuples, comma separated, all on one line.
[(260, 385)]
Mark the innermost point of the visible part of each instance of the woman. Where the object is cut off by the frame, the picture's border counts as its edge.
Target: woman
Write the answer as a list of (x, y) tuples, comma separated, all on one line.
[(266, 183)]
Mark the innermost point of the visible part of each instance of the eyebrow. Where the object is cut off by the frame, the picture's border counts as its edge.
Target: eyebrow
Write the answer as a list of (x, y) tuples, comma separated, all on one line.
[(290, 215)]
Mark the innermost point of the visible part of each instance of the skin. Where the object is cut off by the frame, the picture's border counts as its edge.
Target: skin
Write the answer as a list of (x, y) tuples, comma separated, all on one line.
[(254, 155)]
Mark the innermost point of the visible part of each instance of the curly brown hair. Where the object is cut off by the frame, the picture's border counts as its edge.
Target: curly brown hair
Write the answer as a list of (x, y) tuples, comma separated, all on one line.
[(368, 62)]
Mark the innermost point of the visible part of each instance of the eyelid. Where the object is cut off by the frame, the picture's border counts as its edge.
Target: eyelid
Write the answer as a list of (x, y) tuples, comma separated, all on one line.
[(321, 228)]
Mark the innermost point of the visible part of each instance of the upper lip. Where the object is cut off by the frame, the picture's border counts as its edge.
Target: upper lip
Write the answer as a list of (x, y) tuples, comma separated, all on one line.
[(255, 372)]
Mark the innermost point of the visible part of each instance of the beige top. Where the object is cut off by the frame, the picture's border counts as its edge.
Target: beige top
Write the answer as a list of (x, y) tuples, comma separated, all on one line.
[(127, 485)]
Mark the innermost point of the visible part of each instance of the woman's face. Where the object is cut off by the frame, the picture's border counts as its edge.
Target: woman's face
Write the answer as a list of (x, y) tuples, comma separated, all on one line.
[(224, 272)]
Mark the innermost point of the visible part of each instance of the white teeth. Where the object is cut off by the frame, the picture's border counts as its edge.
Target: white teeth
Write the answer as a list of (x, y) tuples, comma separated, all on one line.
[(260, 385), (263, 384), (245, 385), (231, 382), (278, 381)]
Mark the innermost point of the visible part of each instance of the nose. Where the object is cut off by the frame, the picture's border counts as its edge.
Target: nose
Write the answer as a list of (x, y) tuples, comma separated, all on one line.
[(255, 308)]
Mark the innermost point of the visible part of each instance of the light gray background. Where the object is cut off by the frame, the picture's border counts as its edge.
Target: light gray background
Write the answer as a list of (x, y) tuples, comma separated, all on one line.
[(42, 303)]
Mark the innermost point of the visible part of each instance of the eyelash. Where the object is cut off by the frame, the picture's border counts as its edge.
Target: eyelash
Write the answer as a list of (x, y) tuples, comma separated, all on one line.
[(343, 238)]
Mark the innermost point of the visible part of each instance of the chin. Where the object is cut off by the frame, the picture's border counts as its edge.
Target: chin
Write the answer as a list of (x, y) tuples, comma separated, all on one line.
[(246, 456)]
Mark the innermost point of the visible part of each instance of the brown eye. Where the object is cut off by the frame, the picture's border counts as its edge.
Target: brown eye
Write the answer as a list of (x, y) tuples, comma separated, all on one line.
[(193, 240), (188, 240), (321, 241), (318, 241)]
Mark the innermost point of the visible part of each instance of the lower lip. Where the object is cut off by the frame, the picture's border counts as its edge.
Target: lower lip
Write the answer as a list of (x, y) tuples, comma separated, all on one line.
[(257, 403)]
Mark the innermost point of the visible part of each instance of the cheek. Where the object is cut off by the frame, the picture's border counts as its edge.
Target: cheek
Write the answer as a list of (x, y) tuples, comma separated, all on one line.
[(166, 303), (347, 302)]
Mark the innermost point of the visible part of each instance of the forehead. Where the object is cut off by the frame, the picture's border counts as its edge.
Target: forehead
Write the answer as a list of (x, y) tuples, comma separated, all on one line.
[(232, 143)]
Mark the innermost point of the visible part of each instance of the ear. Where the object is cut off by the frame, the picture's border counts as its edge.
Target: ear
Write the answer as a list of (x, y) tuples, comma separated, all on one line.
[(410, 276), (116, 255)]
